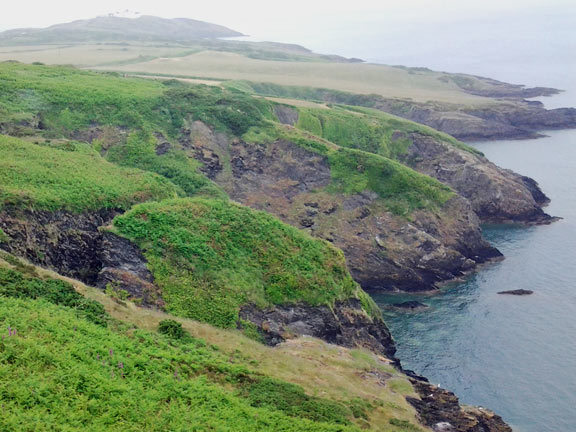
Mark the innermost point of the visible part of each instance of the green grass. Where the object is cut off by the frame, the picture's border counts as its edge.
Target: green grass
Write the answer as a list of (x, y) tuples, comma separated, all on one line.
[(42, 177), (401, 189), (150, 107), (209, 257), (61, 372), (368, 131), (17, 285), (394, 123), (66, 101)]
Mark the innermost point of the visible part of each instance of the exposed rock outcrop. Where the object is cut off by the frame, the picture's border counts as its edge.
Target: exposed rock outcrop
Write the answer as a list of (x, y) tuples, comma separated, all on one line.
[(384, 251), (74, 245), (507, 119), (346, 324), (496, 194), (441, 410)]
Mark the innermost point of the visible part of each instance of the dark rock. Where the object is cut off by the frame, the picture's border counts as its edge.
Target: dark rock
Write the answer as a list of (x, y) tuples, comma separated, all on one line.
[(75, 246), (63, 241), (163, 146), (497, 195), (345, 324), (441, 410), (124, 266), (518, 292), (412, 305)]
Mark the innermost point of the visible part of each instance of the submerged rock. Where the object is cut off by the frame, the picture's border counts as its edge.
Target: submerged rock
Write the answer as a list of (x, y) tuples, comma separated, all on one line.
[(411, 305), (518, 292)]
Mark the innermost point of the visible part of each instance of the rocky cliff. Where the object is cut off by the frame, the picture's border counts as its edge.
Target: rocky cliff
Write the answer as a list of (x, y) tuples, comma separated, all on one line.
[(496, 194), (383, 250), (505, 115), (76, 245)]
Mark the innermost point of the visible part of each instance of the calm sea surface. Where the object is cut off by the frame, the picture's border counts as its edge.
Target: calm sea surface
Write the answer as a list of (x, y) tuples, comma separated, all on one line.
[(515, 355)]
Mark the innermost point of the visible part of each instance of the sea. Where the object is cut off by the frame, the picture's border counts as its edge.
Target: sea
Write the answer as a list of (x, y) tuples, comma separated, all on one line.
[(514, 355)]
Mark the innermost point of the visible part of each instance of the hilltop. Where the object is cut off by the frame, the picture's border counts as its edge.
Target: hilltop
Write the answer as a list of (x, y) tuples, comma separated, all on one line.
[(116, 29)]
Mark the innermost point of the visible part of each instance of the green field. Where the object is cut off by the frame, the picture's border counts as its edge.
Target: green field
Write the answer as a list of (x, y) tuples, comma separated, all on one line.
[(275, 64)]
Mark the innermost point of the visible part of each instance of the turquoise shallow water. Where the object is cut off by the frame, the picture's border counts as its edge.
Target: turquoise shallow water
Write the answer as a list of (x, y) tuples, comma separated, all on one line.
[(515, 355)]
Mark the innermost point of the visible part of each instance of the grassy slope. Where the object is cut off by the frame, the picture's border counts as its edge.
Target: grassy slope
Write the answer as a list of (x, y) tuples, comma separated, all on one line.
[(368, 129), (210, 257), (76, 179), (62, 372), (150, 106)]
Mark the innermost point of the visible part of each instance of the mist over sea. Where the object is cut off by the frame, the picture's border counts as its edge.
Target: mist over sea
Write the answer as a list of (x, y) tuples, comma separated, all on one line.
[(515, 355)]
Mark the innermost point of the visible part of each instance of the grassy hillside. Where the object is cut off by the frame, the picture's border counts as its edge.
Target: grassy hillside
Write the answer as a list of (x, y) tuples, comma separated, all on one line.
[(61, 372), (71, 176), (368, 129), (132, 112), (66, 364), (209, 257)]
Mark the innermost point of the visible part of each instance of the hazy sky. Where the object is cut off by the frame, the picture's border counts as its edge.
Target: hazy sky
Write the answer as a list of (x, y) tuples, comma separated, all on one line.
[(264, 16)]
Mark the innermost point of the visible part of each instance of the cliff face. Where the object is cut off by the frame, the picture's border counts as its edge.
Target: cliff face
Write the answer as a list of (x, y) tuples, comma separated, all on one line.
[(346, 325), (496, 194), (383, 250), (74, 245)]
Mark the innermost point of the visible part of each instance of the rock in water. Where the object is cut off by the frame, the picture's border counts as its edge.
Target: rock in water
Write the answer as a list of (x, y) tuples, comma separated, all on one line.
[(518, 292), (412, 305)]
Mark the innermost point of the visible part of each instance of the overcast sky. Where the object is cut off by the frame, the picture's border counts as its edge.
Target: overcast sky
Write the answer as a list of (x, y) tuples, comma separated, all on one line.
[(264, 16)]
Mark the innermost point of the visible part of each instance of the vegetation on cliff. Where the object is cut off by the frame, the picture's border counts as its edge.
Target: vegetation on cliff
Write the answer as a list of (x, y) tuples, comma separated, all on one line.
[(71, 176), (210, 257), (132, 113), (368, 129)]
